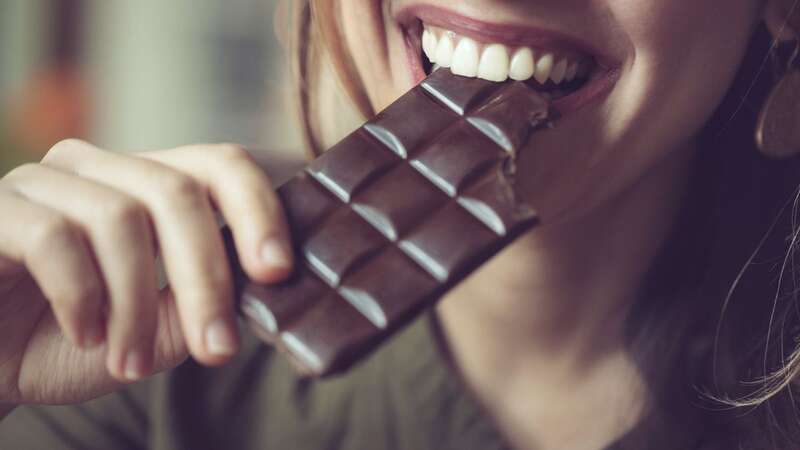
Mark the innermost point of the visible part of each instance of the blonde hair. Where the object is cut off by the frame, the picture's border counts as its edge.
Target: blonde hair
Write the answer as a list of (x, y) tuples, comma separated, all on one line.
[(326, 83)]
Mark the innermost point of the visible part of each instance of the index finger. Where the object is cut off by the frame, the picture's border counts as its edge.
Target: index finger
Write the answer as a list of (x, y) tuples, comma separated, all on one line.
[(245, 197)]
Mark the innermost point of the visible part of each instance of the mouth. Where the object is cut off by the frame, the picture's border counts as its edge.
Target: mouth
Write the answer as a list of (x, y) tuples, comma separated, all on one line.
[(568, 73)]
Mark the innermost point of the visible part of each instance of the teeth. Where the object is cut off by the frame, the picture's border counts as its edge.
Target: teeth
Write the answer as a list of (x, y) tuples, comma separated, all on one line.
[(522, 66), (543, 68), (560, 69), (444, 51), (572, 70), (429, 44), (494, 63), (465, 58)]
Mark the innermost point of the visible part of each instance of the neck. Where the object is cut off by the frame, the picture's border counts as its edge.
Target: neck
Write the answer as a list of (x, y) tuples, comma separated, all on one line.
[(556, 300), (537, 334)]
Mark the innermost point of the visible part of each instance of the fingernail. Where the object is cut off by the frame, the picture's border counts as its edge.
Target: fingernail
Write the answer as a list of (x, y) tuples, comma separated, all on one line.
[(134, 366), (275, 254), (221, 338)]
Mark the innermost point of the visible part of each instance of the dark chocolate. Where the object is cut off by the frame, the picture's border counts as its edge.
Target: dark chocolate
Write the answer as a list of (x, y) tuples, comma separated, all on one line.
[(389, 219)]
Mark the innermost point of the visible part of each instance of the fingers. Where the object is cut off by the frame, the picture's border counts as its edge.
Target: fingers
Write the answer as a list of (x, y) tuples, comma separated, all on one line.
[(247, 200), (188, 238), (56, 254), (102, 213), (119, 231)]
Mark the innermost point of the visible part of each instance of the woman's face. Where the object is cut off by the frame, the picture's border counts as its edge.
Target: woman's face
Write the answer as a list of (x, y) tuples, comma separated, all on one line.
[(657, 70)]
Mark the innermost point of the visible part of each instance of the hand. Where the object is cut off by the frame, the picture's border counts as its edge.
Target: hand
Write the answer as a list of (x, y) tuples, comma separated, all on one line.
[(80, 310)]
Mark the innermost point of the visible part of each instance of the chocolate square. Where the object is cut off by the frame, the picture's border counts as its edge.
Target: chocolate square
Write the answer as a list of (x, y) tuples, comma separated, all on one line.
[(398, 201), (447, 242), (459, 154), (344, 239), (351, 163), (386, 301)]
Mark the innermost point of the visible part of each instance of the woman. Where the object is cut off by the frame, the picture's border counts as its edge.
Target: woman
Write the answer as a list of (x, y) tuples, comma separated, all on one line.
[(597, 330)]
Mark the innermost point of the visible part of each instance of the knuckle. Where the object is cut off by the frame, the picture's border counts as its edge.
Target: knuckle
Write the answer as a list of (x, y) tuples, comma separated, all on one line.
[(64, 146), (125, 211), (54, 230), (22, 171), (232, 152), (179, 186)]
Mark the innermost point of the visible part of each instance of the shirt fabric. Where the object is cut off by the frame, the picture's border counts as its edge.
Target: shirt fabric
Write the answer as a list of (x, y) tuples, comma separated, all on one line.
[(404, 397)]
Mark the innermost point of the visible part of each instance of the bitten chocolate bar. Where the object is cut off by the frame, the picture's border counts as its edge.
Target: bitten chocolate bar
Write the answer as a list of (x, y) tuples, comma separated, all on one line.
[(394, 215)]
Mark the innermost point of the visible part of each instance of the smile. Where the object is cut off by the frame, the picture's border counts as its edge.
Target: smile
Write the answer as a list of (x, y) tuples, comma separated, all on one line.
[(565, 70), (499, 62)]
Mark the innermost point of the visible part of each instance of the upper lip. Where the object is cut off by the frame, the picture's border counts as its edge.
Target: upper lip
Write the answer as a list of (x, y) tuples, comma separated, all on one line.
[(509, 33)]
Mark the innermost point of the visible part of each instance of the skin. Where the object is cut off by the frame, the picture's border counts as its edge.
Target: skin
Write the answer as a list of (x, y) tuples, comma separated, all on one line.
[(537, 332), (81, 314), (70, 269)]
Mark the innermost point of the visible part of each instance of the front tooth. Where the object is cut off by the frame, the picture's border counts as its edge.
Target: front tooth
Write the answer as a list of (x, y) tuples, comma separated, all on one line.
[(543, 68), (494, 63), (444, 50), (465, 58), (560, 69), (572, 70), (522, 66), (429, 44)]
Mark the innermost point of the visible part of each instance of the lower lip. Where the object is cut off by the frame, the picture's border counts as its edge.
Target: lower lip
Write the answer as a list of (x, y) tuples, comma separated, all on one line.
[(593, 91)]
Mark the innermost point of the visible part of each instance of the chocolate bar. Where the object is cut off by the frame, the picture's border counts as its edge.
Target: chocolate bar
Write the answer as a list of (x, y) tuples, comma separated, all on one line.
[(390, 218)]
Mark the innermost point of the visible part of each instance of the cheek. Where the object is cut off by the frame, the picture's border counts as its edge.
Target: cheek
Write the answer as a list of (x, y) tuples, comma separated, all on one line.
[(684, 57), (372, 42), (687, 54)]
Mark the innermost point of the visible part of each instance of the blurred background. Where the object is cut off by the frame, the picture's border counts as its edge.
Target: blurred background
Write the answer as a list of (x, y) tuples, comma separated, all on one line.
[(145, 74)]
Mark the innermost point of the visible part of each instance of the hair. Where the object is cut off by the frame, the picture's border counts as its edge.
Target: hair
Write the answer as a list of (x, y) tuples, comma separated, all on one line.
[(717, 328)]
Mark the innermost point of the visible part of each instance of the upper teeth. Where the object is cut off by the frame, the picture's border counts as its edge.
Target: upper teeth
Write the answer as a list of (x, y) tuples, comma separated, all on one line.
[(497, 62)]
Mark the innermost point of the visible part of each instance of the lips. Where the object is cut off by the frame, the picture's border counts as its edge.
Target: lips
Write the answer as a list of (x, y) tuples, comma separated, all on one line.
[(565, 69)]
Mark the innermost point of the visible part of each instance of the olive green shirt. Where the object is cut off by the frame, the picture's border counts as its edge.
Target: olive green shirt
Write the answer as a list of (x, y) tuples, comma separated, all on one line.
[(404, 397)]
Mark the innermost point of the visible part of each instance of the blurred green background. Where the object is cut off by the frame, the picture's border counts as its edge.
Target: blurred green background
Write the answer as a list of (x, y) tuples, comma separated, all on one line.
[(144, 74)]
